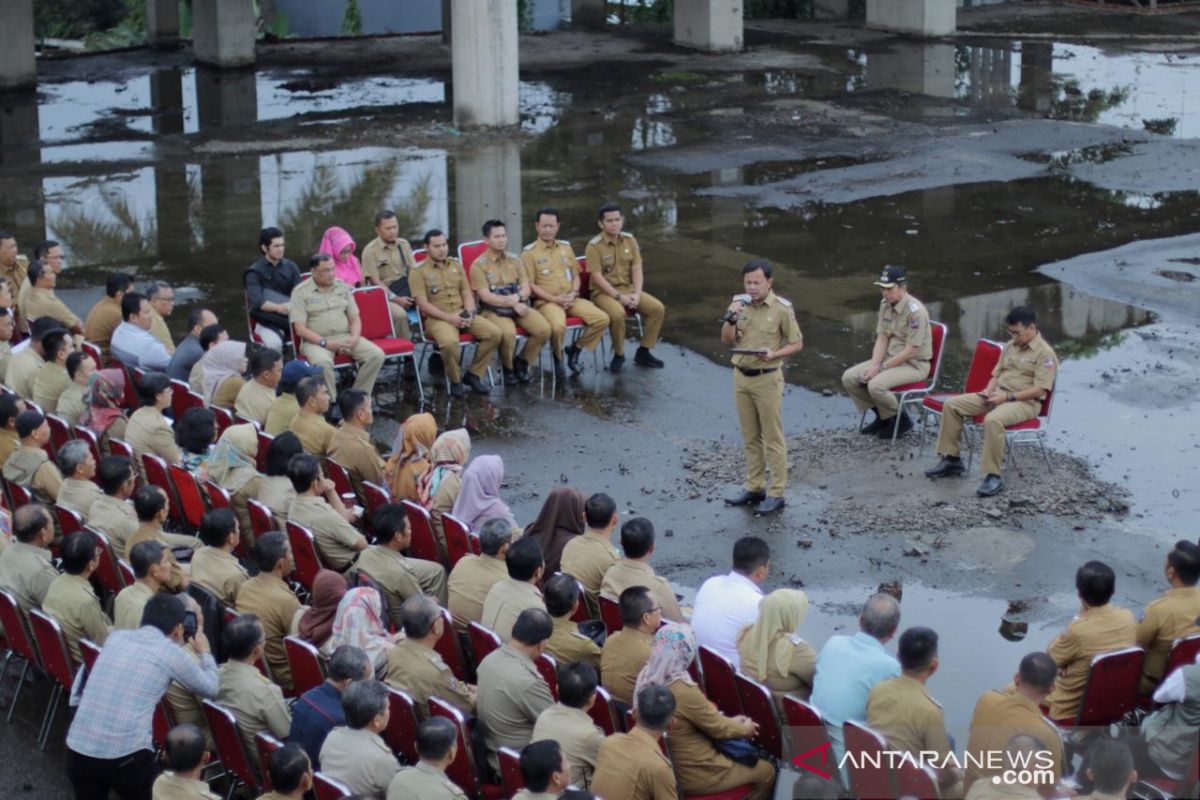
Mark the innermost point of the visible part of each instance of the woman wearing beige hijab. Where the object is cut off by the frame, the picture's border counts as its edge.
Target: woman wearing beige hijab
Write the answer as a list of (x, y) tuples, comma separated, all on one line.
[(233, 466), (770, 650)]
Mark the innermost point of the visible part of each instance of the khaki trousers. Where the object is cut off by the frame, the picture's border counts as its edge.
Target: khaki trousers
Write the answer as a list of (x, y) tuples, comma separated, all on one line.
[(651, 309), (593, 318), (399, 321), (760, 777), (487, 339), (534, 324), (759, 400), (367, 356), (877, 393), (996, 420)]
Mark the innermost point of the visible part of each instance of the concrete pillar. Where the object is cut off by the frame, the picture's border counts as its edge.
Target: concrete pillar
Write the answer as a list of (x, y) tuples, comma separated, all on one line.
[(831, 9), (926, 69), (226, 98), (162, 23), (711, 25), (487, 185), (166, 97), (1036, 92), (223, 32), (484, 55), (587, 14), (20, 135), (446, 21), (920, 17), (18, 64)]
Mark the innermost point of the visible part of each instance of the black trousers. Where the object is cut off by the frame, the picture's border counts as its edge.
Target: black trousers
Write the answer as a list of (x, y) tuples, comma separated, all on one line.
[(131, 776)]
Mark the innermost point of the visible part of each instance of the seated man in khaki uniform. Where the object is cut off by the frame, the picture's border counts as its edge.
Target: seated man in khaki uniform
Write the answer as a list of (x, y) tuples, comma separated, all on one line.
[(148, 430), (186, 756), (1172, 615), (23, 367), (444, 298), (553, 275), (52, 379), (214, 566), (151, 562), (10, 407), (437, 747), (475, 575), (268, 597), (112, 514), (285, 407), (153, 508), (29, 466), (399, 576), (568, 722), (291, 774), (338, 542), (627, 651), (162, 303), (71, 599), (327, 323), (106, 315), (310, 426), (567, 644), (71, 403), (7, 330), (13, 265), (386, 261), (512, 693), (26, 568), (43, 302), (614, 262), (509, 597), (255, 702), (637, 542), (78, 491), (355, 754), (1025, 372), (632, 765), (414, 665), (255, 398), (544, 771), (351, 446), (589, 556)]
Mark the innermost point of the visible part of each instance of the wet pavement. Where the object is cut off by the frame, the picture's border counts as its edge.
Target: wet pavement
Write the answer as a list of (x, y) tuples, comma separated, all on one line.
[(1000, 172)]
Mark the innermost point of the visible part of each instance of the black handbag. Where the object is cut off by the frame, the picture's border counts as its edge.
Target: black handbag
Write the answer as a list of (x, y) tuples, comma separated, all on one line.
[(503, 311), (400, 288), (739, 751)]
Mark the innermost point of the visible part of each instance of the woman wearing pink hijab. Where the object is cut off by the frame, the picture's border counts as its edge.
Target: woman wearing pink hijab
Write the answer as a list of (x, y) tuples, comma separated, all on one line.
[(340, 247)]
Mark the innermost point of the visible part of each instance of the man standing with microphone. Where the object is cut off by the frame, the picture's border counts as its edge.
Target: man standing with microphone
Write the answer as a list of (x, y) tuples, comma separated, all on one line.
[(762, 328)]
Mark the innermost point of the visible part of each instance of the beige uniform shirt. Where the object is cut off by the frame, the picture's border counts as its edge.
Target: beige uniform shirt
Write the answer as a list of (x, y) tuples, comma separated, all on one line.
[(169, 786), (504, 603), (79, 495), (283, 410), (27, 572), (359, 759), (614, 259), (314, 433), (906, 324), (576, 734), (22, 372), (550, 267), (441, 285), (986, 790), (151, 531), (227, 393), (8, 443), (72, 601), (257, 704), (44, 303), (335, 537), (491, 271), (423, 781), (116, 520), (48, 386), (219, 571), (128, 607), (160, 331), (254, 402), (421, 672), (386, 263), (621, 659), (567, 644), (627, 572), (16, 273), (275, 605), (186, 706), (149, 432), (32, 468), (71, 405), (1092, 632), (512, 695), (351, 447), (586, 558), (903, 712), (1164, 620), (632, 766), (470, 581), (5, 357), (323, 311), (101, 321), (1021, 368), (767, 326), (277, 493), (998, 717), (401, 577)]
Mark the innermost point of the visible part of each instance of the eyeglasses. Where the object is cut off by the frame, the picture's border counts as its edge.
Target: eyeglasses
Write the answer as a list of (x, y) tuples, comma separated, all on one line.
[(653, 610)]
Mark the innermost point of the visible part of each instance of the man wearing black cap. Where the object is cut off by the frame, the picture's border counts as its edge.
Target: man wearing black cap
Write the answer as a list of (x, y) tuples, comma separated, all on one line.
[(29, 466), (902, 353), (23, 369)]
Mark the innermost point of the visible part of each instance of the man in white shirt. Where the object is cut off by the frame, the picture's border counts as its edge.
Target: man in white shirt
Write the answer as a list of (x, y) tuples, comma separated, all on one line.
[(132, 342), (727, 603)]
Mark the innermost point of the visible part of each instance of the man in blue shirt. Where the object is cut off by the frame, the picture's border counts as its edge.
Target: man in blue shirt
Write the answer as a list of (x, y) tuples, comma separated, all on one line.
[(849, 666), (319, 710)]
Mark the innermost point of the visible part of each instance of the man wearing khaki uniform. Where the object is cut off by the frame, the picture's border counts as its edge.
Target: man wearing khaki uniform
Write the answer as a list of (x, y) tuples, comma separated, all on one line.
[(415, 667), (337, 540), (902, 354), (1022, 377), (764, 324), (387, 259), (257, 703), (553, 275), (43, 302), (26, 568), (327, 323), (1172, 615), (399, 576), (470, 581), (267, 596), (71, 599), (444, 297)]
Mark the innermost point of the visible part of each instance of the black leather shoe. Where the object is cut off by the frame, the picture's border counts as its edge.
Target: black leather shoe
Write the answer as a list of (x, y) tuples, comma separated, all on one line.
[(436, 367), (771, 505), (475, 383), (746, 498), (560, 371), (510, 378), (890, 426), (948, 466), (616, 364), (457, 390), (992, 484), (875, 426), (521, 369), (644, 358), (410, 372), (572, 353)]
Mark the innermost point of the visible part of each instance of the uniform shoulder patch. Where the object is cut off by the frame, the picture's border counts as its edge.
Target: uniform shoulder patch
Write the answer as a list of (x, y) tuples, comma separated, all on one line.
[(529, 246), (783, 301), (914, 306), (563, 241), (1048, 363), (420, 263), (599, 237), (626, 235)]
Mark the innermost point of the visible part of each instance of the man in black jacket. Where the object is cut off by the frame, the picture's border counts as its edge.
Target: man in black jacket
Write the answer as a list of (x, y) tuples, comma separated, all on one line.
[(269, 284)]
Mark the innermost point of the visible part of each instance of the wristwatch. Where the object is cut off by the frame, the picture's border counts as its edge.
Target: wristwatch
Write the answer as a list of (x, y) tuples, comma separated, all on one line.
[(1012, 397), (322, 342)]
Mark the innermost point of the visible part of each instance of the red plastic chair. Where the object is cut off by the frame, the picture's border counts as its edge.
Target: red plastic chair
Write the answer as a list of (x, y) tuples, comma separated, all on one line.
[(547, 667), (183, 399), (374, 498), (120, 447), (736, 793), (987, 354), (401, 730), (187, 490), (304, 551), (866, 779), (483, 641), (610, 613), (126, 571), (719, 683), (424, 544), (131, 400), (469, 251), (228, 739), (264, 445), (1031, 432), (304, 660), (20, 644), (759, 705), (377, 327), (327, 788), (458, 539), (161, 724), (510, 771), (18, 494), (93, 443), (603, 713), (157, 475), (462, 770), (56, 662), (266, 745), (1168, 787), (93, 350), (476, 547), (89, 651), (1111, 690), (261, 518), (69, 521), (60, 431), (448, 648), (341, 480), (340, 360), (1183, 652), (223, 417), (916, 781), (108, 573)]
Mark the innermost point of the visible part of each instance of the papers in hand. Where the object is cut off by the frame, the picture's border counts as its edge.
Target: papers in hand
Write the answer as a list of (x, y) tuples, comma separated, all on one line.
[(746, 351)]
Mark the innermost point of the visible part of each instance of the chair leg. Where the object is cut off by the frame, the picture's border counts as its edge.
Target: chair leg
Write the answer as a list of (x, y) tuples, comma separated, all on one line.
[(1041, 440), (861, 420), (17, 694), (48, 719)]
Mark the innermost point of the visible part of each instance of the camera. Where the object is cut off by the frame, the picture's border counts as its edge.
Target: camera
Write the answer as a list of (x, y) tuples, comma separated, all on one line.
[(190, 623)]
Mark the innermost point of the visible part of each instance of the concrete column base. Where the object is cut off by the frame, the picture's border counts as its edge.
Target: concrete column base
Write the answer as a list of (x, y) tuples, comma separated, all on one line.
[(714, 26), (223, 32), (162, 23), (487, 185), (18, 61), (587, 14), (921, 17), (483, 52)]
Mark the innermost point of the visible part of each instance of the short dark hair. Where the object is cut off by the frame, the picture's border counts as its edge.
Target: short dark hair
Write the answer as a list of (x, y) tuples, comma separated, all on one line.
[(1185, 560), (9, 408), (131, 304), (270, 549), (539, 761), (116, 283), (432, 233), (308, 388), (216, 525), (303, 469), (350, 401), (533, 626), (547, 212), (605, 209), (560, 592), (349, 663), (114, 472), (634, 603), (78, 550), (151, 386), (1095, 581), (1038, 670), (263, 359), (577, 683), (195, 317), (523, 559), (196, 429), (35, 272), (164, 611), (387, 521), (144, 555), (363, 701), (185, 747), (210, 334), (54, 343), (637, 537), (598, 510), (1111, 764), (655, 707), (493, 535), (1021, 315), (491, 225), (288, 766), (29, 421), (918, 647), (241, 635), (43, 249), (750, 553), (268, 235), (758, 264), (385, 214), (30, 520), (74, 361), (315, 260), (436, 736), (280, 453), (148, 501)]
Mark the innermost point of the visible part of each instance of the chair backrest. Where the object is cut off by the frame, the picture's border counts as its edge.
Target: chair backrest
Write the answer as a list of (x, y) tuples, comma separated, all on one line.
[(69, 521), (261, 518), (304, 551), (60, 431), (341, 479), (187, 491), (1183, 652), (917, 781), (266, 744), (866, 779), (228, 739), (759, 705), (52, 644), (419, 255), (462, 770), (983, 361), (610, 613), (93, 350), (1047, 401), (401, 730), (469, 251), (372, 302), (157, 475), (89, 651), (375, 497), (547, 667), (217, 496), (120, 447), (510, 771), (108, 573), (223, 417), (719, 683), (327, 788), (1111, 691), (264, 445), (937, 332), (16, 627), (423, 544), (304, 660), (19, 495), (476, 547), (483, 641), (132, 378), (126, 571), (183, 399), (161, 723), (603, 713), (86, 434), (447, 647), (458, 538)]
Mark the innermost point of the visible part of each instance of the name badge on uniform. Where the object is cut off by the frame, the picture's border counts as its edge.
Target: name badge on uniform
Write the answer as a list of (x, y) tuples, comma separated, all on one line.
[(491, 275), (606, 259), (546, 271), (433, 290), (569, 274), (542, 260)]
